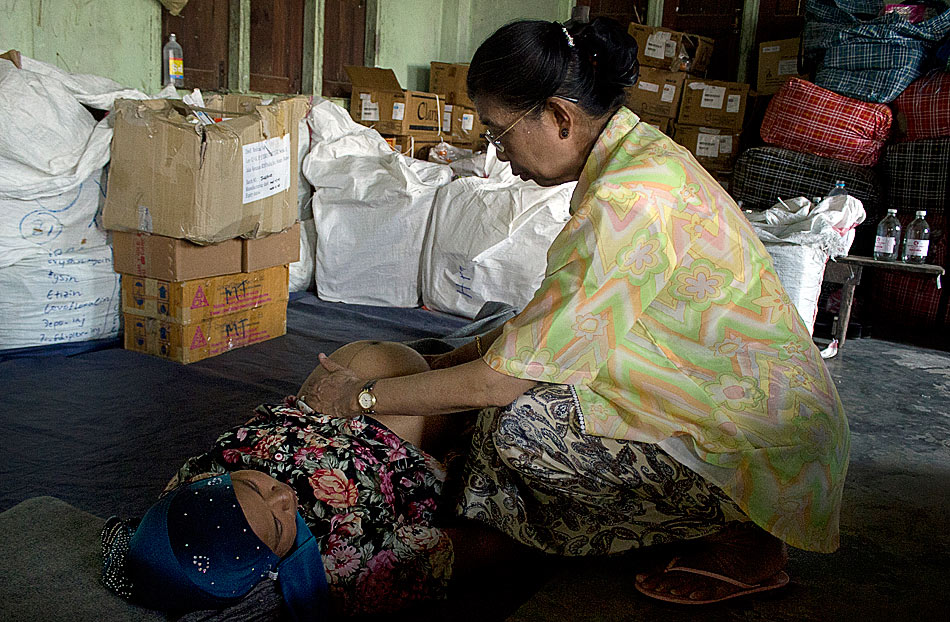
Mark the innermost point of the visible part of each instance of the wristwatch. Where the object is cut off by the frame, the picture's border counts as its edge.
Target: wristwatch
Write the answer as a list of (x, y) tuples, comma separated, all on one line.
[(366, 398)]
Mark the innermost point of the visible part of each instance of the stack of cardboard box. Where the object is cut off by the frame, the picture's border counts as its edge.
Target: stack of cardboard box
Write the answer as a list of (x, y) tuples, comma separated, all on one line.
[(411, 121), (705, 116), (202, 204), (461, 119)]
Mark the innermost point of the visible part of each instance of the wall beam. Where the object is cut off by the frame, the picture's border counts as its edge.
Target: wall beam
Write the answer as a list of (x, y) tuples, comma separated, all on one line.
[(239, 46)]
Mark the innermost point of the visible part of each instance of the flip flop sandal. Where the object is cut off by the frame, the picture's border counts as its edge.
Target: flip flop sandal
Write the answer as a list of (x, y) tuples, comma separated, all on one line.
[(779, 579)]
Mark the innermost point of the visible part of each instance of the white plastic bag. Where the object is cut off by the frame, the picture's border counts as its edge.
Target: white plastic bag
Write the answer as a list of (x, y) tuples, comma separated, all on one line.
[(52, 225), (301, 271), (50, 143), (488, 241), (370, 207), (57, 299), (800, 237)]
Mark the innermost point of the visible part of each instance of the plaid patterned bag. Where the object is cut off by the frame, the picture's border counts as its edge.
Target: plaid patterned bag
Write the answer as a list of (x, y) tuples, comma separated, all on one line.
[(923, 110), (872, 60), (916, 175), (762, 174), (805, 117)]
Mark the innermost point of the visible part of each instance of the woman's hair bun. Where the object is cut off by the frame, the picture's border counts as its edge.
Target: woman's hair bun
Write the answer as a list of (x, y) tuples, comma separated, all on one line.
[(610, 49)]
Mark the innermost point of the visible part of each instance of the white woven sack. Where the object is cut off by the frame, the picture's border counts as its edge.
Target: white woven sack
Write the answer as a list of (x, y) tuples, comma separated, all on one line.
[(52, 225), (52, 300), (488, 241)]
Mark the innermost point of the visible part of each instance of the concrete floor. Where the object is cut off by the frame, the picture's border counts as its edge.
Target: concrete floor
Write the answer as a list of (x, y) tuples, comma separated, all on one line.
[(894, 560)]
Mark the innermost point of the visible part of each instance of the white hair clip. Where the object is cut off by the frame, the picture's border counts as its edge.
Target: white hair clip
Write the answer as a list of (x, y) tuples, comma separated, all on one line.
[(570, 39)]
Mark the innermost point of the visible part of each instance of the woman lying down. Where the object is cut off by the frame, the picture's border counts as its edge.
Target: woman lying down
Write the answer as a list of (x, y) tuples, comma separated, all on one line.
[(340, 512)]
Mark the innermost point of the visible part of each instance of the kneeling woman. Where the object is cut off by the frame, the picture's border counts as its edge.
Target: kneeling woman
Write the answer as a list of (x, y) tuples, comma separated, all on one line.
[(339, 511)]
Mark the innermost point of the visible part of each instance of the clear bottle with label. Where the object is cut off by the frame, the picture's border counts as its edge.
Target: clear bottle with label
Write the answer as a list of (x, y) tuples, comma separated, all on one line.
[(887, 242), (173, 67), (917, 239), (838, 191)]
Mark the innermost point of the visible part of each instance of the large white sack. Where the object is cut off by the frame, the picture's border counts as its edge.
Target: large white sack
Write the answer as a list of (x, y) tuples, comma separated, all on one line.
[(50, 143), (52, 225), (304, 189), (800, 237), (334, 134), (301, 271), (488, 240), (371, 214), (50, 300)]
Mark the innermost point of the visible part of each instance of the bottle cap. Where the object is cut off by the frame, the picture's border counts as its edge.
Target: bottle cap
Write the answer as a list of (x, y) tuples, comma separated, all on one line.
[(892, 211), (921, 213)]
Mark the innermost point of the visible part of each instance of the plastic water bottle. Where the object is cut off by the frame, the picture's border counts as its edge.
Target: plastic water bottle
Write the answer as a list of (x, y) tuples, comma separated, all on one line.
[(838, 191), (917, 239), (887, 242), (173, 66)]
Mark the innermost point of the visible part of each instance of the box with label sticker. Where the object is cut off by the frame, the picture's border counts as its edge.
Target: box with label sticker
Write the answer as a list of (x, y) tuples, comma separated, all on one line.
[(671, 50), (465, 127), (657, 92), (187, 343), (778, 61), (204, 174), (713, 104), (715, 148), (184, 302), (379, 101)]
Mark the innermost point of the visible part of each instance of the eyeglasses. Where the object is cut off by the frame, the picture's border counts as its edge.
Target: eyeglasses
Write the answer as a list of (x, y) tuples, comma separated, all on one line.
[(496, 140)]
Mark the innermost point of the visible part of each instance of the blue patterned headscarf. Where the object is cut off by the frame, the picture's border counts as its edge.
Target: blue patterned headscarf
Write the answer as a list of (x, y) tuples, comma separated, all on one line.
[(194, 549)]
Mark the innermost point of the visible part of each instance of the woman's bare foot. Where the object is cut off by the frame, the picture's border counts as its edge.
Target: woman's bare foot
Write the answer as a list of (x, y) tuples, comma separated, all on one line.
[(741, 559)]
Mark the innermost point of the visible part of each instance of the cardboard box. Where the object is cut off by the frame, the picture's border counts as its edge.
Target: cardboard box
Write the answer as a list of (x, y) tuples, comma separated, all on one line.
[(276, 249), (657, 92), (713, 104), (14, 57), (449, 81), (379, 101), (778, 61), (173, 176), (671, 50), (185, 302), (664, 124), (466, 128), (171, 259), (716, 149), (187, 343)]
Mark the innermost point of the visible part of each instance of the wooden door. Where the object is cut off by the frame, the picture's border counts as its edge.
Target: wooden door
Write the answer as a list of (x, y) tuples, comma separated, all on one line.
[(276, 54), (779, 19), (202, 31), (344, 39), (720, 20), (624, 11)]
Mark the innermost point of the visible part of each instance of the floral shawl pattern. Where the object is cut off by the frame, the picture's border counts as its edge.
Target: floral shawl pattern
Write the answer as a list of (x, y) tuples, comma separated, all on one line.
[(367, 495)]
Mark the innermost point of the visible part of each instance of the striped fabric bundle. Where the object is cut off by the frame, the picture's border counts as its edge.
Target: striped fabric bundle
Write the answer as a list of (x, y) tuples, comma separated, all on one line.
[(805, 117), (873, 60), (762, 174), (923, 110), (917, 175)]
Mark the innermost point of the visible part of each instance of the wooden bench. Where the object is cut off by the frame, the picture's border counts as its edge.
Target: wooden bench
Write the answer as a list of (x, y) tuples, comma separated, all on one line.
[(847, 271)]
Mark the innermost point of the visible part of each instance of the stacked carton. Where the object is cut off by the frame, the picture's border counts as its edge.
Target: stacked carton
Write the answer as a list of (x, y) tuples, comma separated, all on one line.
[(411, 121), (460, 120), (202, 204), (710, 121)]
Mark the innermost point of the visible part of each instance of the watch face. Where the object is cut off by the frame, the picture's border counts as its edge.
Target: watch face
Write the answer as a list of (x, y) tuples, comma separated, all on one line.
[(366, 399)]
